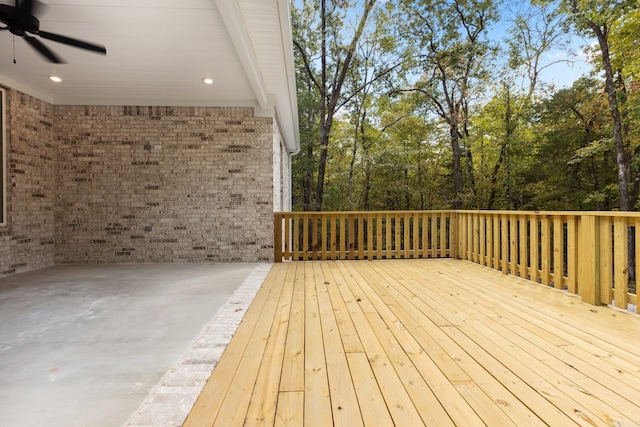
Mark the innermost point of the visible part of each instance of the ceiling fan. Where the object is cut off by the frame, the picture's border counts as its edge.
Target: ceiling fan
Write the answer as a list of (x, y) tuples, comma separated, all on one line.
[(20, 21)]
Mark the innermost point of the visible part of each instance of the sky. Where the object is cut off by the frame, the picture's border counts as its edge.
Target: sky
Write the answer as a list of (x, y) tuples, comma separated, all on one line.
[(564, 74)]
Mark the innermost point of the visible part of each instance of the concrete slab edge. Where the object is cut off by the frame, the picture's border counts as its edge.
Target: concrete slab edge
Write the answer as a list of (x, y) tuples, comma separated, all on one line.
[(169, 402)]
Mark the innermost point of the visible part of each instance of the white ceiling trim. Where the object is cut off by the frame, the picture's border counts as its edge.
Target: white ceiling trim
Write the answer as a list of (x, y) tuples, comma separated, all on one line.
[(232, 18), (284, 15), (14, 84)]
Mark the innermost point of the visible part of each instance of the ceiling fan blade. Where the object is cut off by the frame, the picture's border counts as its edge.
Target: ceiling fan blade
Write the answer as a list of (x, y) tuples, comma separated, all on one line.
[(43, 50), (73, 42)]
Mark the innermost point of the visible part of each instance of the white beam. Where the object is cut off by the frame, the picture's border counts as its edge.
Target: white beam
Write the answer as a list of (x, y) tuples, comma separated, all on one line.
[(236, 27), (290, 116)]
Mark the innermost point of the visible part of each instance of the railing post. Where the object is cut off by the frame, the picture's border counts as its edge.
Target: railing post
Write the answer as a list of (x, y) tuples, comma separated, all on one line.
[(277, 238), (621, 274), (589, 259)]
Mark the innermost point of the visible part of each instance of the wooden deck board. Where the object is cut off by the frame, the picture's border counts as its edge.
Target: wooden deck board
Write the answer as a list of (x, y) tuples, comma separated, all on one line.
[(422, 342)]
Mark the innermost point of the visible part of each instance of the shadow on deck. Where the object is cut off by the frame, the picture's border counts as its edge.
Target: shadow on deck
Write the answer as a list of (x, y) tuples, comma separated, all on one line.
[(435, 342)]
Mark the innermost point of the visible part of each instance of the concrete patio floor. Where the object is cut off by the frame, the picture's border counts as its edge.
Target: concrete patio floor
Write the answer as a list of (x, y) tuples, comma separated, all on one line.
[(84, 345)]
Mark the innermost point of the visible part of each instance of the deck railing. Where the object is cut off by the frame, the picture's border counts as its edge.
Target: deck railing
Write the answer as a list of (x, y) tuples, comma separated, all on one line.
[(303, 236), (586, 253)]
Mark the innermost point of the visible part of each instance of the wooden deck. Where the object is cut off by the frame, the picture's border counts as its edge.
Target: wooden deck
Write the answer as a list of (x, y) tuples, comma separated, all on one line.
[(422, 342)]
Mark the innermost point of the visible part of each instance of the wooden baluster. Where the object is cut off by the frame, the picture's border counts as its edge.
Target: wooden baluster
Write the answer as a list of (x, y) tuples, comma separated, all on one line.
[(313, 230), (360, 220), (352, 236), (572, 255), (513, 244), (462, 236), (425, 227), (442, 232), (504, 249), (606, 260), (333, 224), (324, 233), (621, 273), (305, 237), (534, 234), (434, 236), (406, 236), (370, 242), (482, 239), (415, 235), (523, 246), (395, 236), (454, 235), (545, 250), (389, 242), (558, 251), (297, 256), (379, 235), (495, 228), (470, 251)]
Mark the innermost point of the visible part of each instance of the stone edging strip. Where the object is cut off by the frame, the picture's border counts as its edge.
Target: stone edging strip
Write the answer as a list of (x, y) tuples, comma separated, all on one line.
[(171, 400)]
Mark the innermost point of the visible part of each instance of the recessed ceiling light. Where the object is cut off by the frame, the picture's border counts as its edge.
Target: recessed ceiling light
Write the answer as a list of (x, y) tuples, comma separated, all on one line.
[(55, 79), (208, 81)]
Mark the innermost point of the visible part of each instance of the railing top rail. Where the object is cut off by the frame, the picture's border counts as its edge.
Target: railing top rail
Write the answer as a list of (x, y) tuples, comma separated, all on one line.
[(471, 211), (364, 212), (556, 213)]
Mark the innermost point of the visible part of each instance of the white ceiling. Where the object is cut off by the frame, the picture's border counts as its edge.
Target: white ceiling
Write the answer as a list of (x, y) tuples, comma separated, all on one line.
[(158, 52)]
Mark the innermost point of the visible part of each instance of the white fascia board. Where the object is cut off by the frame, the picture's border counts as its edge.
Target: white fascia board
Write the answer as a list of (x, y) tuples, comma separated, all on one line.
[(237, 29), (292, 128)]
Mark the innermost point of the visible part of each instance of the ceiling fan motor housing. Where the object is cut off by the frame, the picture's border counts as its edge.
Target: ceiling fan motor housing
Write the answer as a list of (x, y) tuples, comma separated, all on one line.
[(18, 23), (29, 25)]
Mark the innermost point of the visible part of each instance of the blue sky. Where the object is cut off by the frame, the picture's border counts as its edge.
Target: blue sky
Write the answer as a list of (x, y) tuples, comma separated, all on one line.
[(564, 74)]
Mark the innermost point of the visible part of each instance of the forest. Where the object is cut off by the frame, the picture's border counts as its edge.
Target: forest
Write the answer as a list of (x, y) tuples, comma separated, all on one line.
[(452, 104)]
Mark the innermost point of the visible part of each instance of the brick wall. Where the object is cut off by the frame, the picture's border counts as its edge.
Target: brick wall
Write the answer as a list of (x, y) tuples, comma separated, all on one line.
[(163, 184), (97, 184), (27, 241)]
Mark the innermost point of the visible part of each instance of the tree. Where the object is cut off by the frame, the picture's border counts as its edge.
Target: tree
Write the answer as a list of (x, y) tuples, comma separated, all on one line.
[(304, 164), (448, 43), (597, 17), (624, 38), (536, 29), (574, 165), (496, 127), (374, 57), (327, 60)]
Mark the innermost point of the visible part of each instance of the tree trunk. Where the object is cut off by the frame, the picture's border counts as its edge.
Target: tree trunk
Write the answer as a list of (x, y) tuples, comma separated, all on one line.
[(407, 193), (622, 159), (307, 184), (367, 187), (322, 166), (494, 176), (457, 169), (359, 127)]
